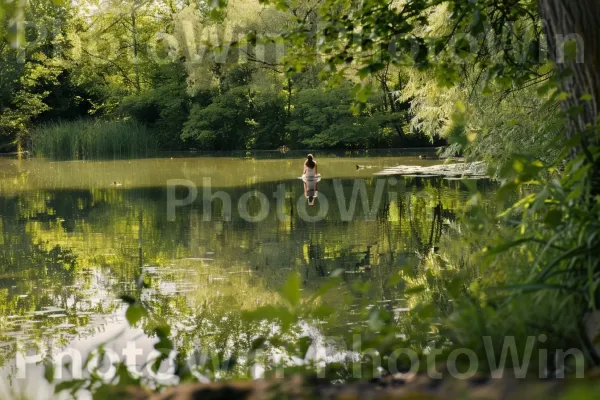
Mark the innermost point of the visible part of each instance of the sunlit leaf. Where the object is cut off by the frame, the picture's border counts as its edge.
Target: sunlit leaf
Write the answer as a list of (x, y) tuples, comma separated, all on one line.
[(49, 372), (135, 313), (291, 289), (546, 68)]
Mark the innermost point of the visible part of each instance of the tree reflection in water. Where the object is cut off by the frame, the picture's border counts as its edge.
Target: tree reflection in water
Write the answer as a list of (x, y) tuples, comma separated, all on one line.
[(67, 251)]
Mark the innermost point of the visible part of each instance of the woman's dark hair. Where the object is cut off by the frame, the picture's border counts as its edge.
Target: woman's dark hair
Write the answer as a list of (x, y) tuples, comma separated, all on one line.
[(309, 162)]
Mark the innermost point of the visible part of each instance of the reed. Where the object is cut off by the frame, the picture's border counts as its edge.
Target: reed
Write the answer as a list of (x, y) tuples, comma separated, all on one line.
[(92, 139)]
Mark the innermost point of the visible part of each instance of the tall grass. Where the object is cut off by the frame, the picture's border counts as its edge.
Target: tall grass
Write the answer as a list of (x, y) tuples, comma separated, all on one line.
[(90, 139)]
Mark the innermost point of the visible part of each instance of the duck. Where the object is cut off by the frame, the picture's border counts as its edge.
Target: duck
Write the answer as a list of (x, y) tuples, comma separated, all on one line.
[(423, 156), (115, 183)]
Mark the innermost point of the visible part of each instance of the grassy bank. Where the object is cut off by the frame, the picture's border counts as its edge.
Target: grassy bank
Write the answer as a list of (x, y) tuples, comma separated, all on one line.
[(84, 139)]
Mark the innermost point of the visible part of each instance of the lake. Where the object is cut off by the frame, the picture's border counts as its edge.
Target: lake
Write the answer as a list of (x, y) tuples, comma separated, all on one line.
[(76, 235)]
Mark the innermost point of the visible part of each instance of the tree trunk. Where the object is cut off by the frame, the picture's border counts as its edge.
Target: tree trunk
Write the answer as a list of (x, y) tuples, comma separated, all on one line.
[(576, 19), (579, 20), (388, 97), (136, 65)]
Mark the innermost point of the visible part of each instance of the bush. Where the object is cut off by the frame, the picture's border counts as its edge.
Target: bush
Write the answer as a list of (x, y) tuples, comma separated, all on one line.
[(238, 119), (323, 118)]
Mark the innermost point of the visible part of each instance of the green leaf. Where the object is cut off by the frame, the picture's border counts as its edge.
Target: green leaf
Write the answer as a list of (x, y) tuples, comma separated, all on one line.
[(462, 48), (370, 69), (504, 82), (304, 344), (544, 89), (270, 313), (291, 290), (492, 251), (553, 218), (72, 385), (575, 193), (281, 5), (454, 287), (487, 90), (424, 311), (135, 313), (49, 372), (164, 346), (163, 331), (125, 378), (447, 76), (321, 312), (325, 288), (393, 280), (546, 68), (363, 92)]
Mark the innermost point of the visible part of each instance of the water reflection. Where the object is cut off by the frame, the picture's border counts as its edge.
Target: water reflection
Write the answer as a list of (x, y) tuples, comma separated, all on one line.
[(311, 188), (72, 241)]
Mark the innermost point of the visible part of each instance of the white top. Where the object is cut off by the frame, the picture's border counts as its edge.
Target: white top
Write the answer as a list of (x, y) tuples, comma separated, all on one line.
[(310, 172)]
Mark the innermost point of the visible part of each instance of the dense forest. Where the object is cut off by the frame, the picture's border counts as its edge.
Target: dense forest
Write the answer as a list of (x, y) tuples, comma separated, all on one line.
[(169, 74), (104, 77), (186, 75)]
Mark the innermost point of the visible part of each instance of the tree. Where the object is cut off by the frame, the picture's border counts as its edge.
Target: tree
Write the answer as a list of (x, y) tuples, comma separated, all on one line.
[(164, 107), (564, 19), (322, 118), (240, 118), (29, 66), (482, 33), (116, 47)]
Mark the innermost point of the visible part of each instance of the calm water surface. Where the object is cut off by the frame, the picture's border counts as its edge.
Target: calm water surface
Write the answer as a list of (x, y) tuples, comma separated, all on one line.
[(74, 236)]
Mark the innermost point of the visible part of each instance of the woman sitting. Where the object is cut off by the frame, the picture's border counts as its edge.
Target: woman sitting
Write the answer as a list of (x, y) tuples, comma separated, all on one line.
[(310, 167), (310, 177)]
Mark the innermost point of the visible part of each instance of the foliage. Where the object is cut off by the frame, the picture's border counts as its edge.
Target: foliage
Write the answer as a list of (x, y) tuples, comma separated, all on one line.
[(475, 95), (163, 109), (28, 74), (173, 69), (237, 119), (556, 236), (322, 118)]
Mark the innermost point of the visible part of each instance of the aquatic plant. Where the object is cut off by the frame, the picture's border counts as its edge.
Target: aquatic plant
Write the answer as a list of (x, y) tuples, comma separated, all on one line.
[(87, 139)]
